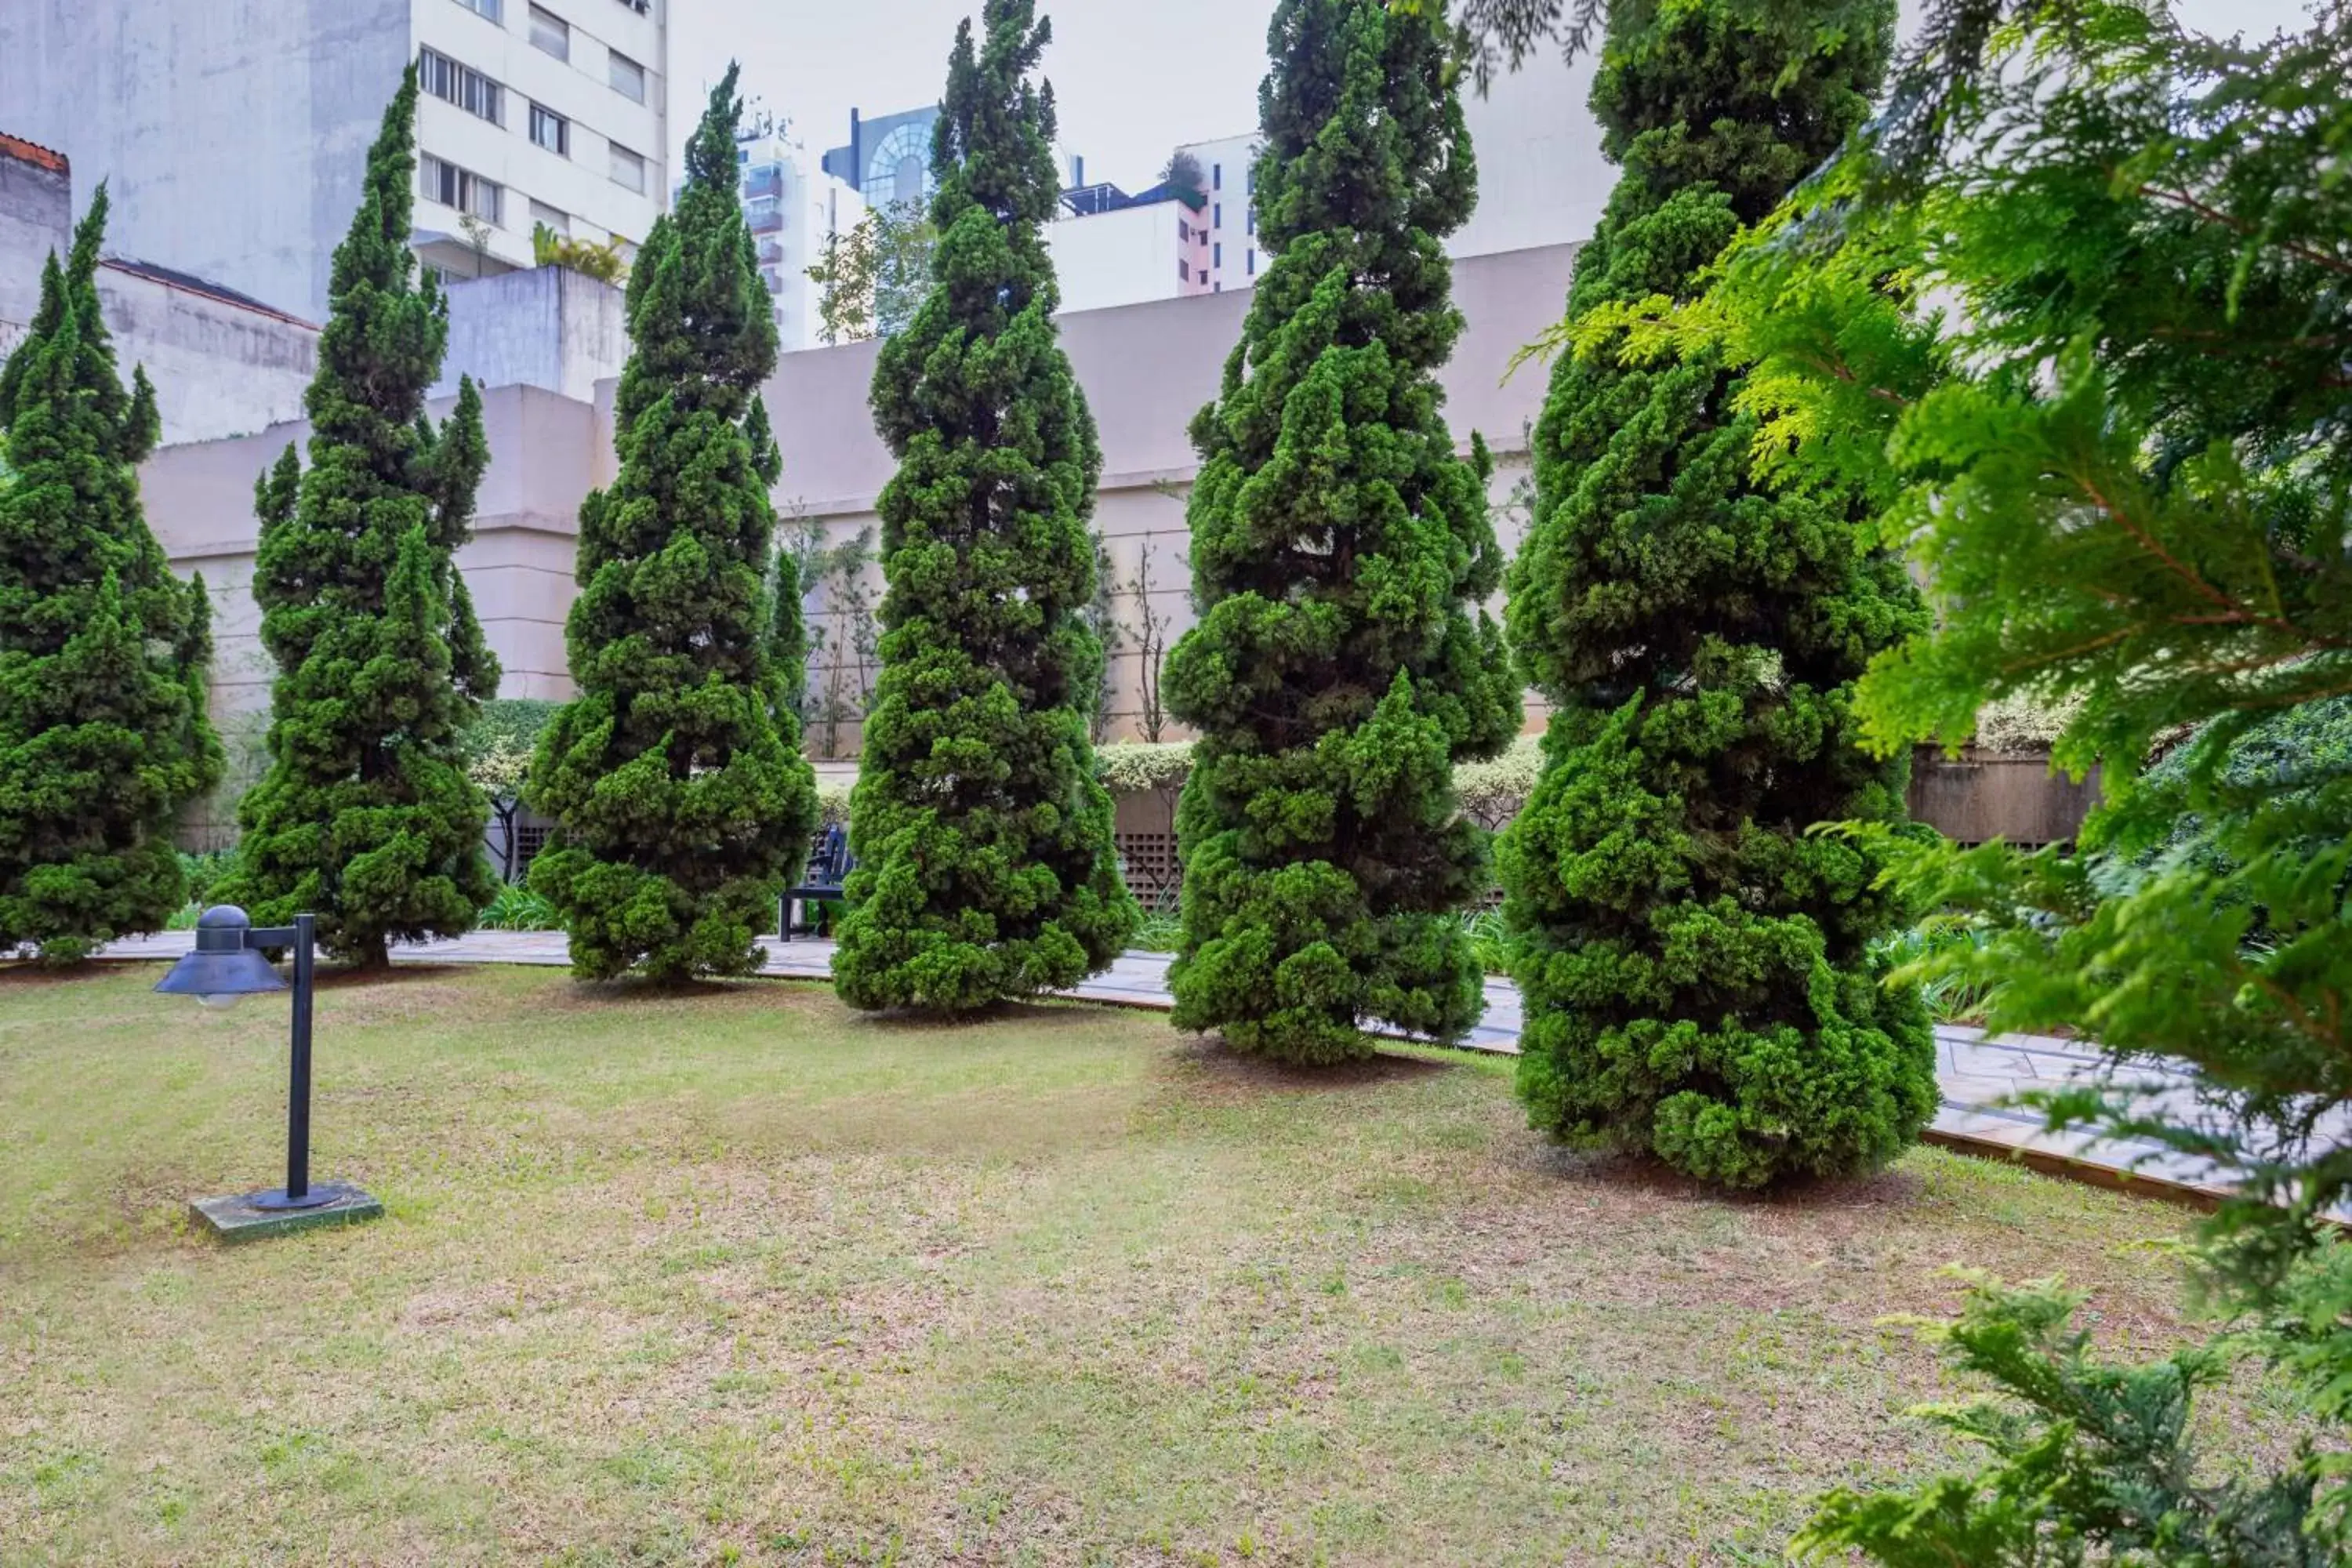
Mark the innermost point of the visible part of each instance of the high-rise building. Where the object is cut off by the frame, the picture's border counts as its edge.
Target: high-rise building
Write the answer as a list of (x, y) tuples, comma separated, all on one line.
[(1541, 182), (887, 159), (1229, 222), (791, 210), (233, 133)]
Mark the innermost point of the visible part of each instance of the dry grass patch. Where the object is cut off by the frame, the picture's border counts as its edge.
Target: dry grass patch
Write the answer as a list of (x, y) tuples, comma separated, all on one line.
[(739, 1277)]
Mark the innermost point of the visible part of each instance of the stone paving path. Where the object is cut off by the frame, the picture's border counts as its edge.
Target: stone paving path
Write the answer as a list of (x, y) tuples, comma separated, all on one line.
[(1976, 1075)]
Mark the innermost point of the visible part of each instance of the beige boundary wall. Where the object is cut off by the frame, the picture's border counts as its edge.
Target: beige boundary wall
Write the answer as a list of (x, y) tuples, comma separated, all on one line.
[(1146, 370)]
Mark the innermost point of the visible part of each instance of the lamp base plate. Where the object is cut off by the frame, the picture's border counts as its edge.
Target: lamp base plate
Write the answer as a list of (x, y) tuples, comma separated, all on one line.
[(249, 1217)]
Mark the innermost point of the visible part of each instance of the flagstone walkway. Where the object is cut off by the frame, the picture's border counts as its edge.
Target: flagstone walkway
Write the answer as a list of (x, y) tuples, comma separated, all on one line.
[(1978, 1076)]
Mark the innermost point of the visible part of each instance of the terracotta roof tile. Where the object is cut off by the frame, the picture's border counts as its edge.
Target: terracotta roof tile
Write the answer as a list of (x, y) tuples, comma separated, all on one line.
[(32, 153)]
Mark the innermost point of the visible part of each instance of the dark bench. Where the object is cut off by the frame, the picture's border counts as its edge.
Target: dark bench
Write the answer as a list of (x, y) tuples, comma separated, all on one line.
[(829, 865)]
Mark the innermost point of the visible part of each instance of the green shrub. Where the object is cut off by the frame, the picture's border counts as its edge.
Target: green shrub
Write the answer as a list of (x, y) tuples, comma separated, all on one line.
[(1341, 548), (2110, 417), (1925, 955), (986, 867), (206, 870), (102, 651), (1490, 939), (1695, 963), (517, 908), (2281, 761), (366, 817), (683, 806)]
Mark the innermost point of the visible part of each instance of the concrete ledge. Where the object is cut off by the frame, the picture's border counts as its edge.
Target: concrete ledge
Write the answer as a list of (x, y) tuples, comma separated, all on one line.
[(236, 1218)]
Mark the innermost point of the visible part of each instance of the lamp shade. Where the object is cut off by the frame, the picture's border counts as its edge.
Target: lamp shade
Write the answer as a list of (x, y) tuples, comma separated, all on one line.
[(222, 964)]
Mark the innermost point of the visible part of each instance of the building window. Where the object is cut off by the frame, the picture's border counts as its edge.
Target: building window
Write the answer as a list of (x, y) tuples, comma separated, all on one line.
[(545, 217), (1252, 263), (1217, 215), (466, 88), (628, 169), (628, 77), (1216, 288), (1217, 253), (642, 8), (899, 170), (461, 188), (550, 130), (1183, 269), (492, 10), (1251, 226), (1216, 177), (550, 33)]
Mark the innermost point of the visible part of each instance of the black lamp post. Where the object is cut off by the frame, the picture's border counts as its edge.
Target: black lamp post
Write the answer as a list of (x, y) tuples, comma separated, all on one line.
[(227, 964)]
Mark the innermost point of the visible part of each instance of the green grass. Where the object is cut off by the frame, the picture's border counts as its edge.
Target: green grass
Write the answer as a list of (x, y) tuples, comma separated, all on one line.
[(739, 1277)]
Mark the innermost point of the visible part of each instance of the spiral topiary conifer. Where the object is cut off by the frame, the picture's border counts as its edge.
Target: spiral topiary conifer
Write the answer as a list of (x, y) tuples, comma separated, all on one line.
[(1694, 965), (986, 867), (1339, 549), (366, 816), (102, 651), (682, 803)]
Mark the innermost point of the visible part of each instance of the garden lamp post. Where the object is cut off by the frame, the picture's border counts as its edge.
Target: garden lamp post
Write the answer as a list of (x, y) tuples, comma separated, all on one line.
[(228, 964)]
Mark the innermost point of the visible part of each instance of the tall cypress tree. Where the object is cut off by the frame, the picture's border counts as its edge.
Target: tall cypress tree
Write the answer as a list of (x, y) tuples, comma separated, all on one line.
[(366, 817), (682, 801), (983, 836), (1339, 549), (1694, 965), (102, 651)]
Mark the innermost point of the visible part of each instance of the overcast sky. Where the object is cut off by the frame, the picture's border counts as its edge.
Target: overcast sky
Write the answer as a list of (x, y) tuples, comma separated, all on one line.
[(1134, 77)]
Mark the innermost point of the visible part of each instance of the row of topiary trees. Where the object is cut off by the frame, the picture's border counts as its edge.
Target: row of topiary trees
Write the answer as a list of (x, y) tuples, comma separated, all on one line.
[(1693, 964)]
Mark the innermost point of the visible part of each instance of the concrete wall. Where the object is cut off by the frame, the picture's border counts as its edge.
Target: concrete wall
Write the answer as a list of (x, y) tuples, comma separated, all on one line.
[(547, 327), (219, 368), (231, 133), (1541, 178), (35, 218)]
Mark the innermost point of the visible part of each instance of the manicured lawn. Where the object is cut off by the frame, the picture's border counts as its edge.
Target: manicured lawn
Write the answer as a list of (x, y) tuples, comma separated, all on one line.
[(742, 1277)]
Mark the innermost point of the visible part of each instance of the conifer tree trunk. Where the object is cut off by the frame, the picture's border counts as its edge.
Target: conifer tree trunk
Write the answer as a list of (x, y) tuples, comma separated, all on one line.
[(1694, 965), (986, 865), (682, 804), (1340, 550), (103, 737), (366, 817)]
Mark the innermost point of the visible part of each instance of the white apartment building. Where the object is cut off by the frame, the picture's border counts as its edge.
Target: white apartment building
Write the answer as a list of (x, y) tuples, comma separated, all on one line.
[(1229, 223), (537, 111), (233, 134), (793, 207)]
